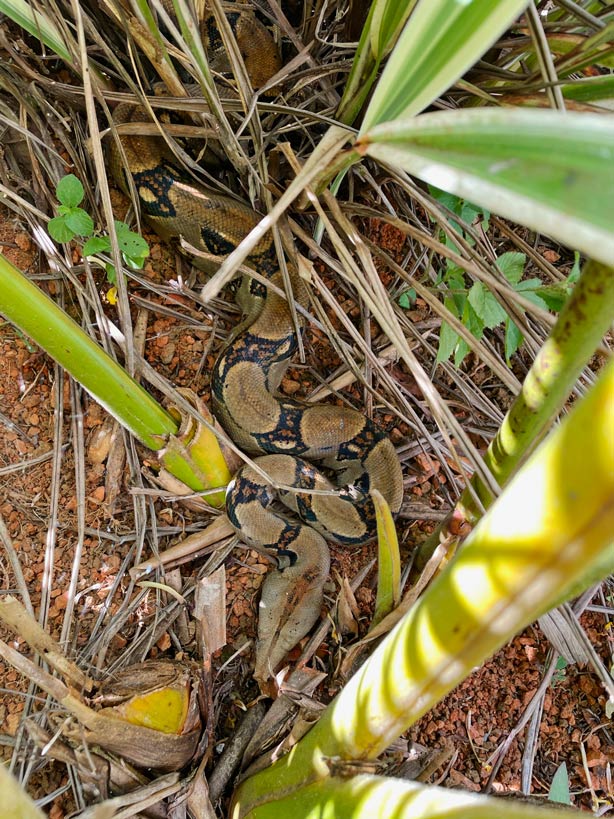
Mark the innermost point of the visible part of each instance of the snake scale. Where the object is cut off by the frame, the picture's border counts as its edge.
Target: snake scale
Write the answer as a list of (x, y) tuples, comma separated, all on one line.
[(288, 436)]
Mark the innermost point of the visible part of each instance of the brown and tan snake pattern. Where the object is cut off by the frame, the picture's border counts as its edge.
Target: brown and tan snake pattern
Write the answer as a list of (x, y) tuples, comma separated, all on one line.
[(288, 436)]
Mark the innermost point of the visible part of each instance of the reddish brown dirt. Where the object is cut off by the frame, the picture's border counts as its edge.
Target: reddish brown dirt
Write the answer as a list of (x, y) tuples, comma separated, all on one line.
[(474, 719)]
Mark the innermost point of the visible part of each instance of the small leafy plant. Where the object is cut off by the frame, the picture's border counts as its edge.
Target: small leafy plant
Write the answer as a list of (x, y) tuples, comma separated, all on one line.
[(73, 221), (477, 307), (560, 671)]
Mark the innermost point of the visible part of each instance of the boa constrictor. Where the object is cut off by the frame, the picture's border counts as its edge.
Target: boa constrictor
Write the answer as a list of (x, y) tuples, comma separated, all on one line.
[(244, 384)]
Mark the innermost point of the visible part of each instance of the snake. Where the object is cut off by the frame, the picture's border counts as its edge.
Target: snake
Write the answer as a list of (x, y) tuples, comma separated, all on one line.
[(292, 442)]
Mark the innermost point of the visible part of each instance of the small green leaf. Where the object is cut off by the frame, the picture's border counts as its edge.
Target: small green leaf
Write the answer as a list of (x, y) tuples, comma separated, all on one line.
[(493, 314), (555, 295), (449, 200), (80, 222), (59, 230), (561, 665), (135, 263), (133, 246), (450, 244), (111, 273), (471, 213), (513, 339), (477, 297), (512, 265), (559, 788), (473, 321), (461, 352), (407, 299), (448, 339), (70, 191), (455, 280), (528, 289), (96, 244)]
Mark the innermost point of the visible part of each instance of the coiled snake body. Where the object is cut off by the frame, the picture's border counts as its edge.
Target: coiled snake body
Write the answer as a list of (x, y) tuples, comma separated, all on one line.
[(287, 434)]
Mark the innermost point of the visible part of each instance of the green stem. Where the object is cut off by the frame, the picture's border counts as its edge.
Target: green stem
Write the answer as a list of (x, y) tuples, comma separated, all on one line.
[(364, 797), (379, 36), (582, 323), (26, 306)]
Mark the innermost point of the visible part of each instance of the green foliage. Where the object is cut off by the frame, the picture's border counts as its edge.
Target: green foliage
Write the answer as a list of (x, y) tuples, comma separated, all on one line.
[(555, 295), (559, 788), (544, 169), (478, 309), (133, 247), (467, 212), (407, 299), (72, 221), (439, 43), (559, 671), (476, 306), (381, 31)]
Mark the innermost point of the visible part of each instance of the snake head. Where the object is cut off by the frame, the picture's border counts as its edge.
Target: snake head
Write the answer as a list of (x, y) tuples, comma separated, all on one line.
[(290, 603)]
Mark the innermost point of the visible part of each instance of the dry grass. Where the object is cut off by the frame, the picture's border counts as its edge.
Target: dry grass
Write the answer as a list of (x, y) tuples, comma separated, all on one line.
[(382, 234)]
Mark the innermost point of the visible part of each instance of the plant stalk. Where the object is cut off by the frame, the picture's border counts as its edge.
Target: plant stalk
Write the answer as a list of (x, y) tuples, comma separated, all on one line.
[(364, 796), (26, 306), (582, 323)]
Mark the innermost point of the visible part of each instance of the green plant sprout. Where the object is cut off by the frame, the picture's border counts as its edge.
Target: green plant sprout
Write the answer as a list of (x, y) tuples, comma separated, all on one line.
[(73, 221), (560, 671)]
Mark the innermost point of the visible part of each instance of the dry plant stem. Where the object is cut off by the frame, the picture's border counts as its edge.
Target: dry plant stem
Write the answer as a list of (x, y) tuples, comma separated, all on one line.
[(216, 531), (79, 456), (14, 615), (530, 749), (54, 687), (544, 57), (233, 751), (54, 499), (20, 582), (133, 803), (581, 325), (210, 610)]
